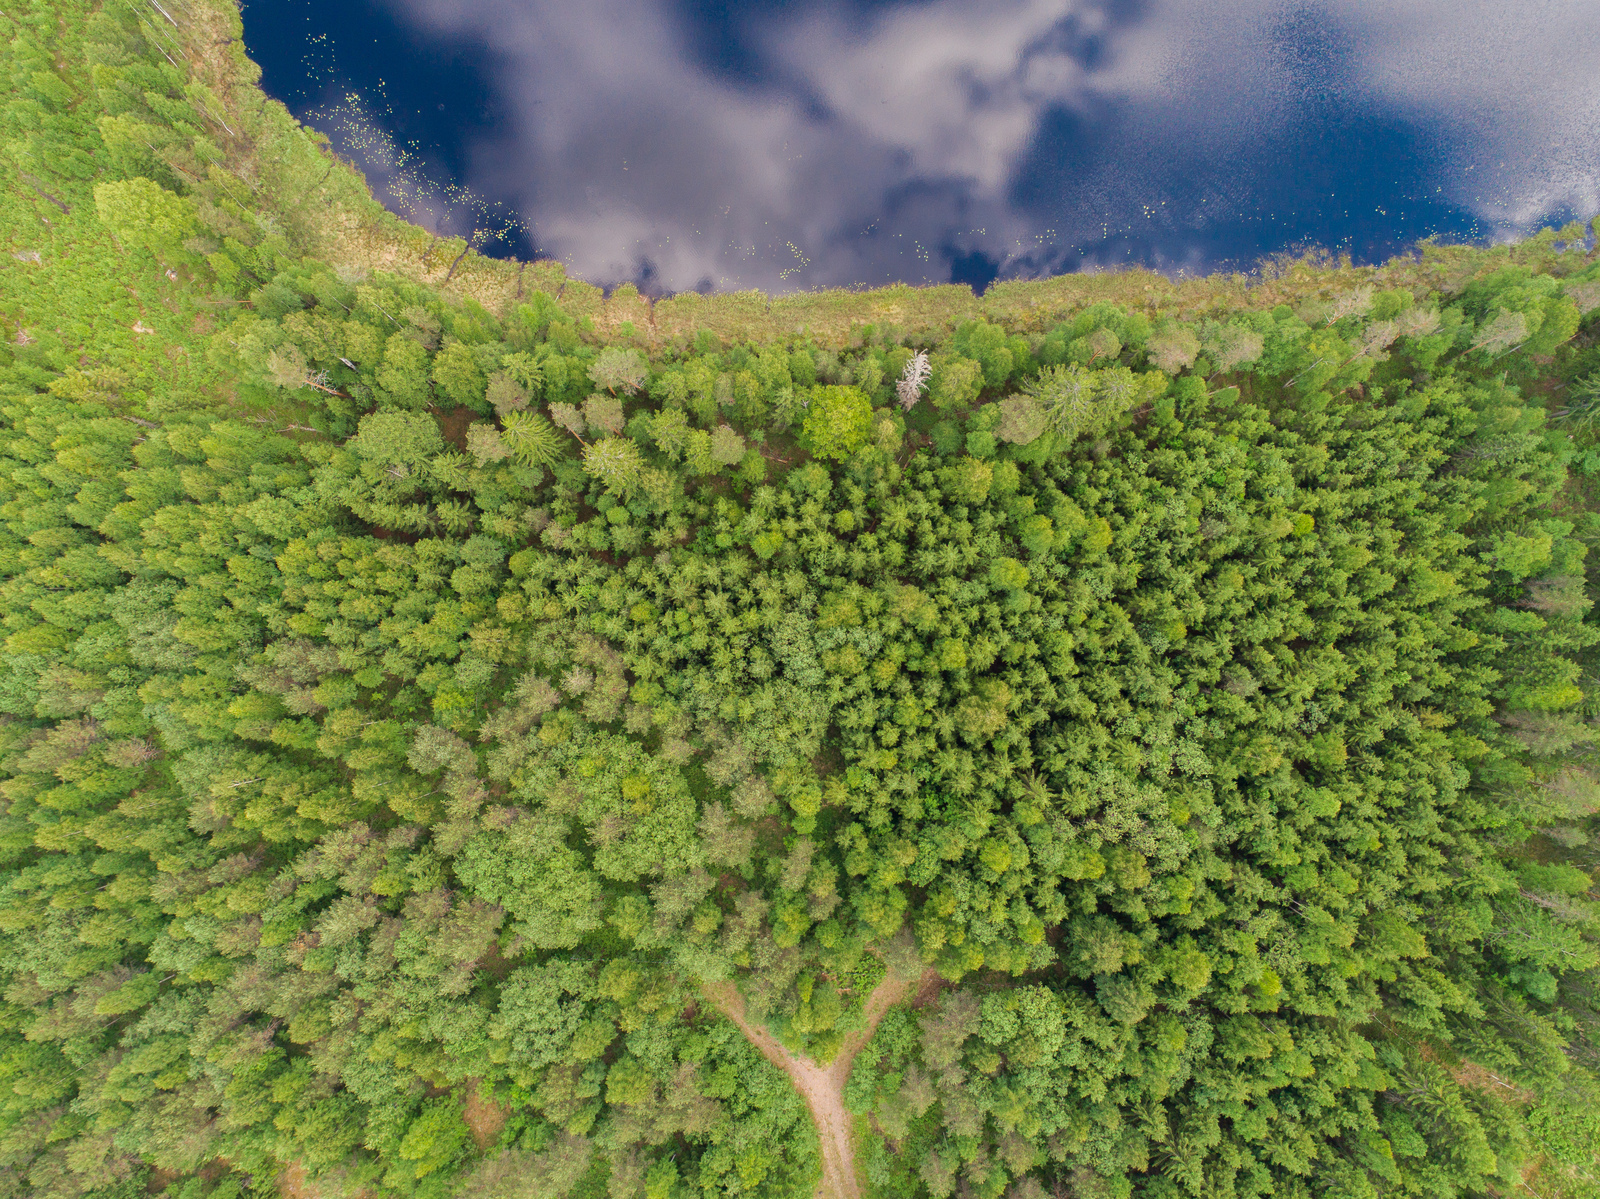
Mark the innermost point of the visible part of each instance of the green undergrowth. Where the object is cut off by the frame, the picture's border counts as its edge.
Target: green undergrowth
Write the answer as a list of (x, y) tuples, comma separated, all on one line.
[(413, 687)]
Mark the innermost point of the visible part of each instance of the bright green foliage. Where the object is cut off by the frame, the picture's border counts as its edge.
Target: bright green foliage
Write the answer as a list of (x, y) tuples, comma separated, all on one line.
[(603, 412), (532, 439), (144, 214), (525, 370), (615, 461), (1219, 732), (1023, 419), (457, 376), (397, 439), (1079, 402), (619, 370), (997, 355), (838, 422), (956, 381)]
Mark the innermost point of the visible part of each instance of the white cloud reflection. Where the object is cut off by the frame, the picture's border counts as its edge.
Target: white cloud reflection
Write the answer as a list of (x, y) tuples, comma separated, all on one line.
[(878, 145), (1514, 87)]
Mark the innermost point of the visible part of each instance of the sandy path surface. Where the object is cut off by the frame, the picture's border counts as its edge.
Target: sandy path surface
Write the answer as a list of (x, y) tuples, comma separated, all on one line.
[(822, 1087)]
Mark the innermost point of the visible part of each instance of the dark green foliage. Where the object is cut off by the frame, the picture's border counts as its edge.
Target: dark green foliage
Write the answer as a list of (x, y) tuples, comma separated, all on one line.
[(1206, 697)]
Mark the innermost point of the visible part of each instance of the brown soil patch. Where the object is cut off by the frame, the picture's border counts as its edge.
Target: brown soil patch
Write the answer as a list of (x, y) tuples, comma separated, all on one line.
[(1476, 1076), (827, 761), (822, 1087), (1481, 1078), (453, 425), (496, 964), (928, 989), (293, 1184), (485, 1118)]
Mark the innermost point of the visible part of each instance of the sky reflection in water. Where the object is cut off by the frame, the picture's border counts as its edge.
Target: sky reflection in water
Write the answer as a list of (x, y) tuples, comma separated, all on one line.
[(686, 144)]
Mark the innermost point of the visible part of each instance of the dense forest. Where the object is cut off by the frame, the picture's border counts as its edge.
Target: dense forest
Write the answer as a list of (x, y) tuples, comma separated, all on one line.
[(462, 732)]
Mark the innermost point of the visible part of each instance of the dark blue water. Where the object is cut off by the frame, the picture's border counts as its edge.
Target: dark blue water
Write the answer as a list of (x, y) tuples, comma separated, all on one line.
[(691, 144)]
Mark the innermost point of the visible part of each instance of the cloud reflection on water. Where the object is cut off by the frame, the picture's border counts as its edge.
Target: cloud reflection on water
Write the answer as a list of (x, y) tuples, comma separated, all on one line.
[(868, 144)]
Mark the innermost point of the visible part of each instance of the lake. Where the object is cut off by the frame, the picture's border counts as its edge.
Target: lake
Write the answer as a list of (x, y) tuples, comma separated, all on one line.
[(684, 144)]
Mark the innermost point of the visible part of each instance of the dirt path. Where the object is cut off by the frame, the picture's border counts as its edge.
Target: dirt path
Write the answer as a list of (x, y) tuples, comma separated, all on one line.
[(822, 1087)]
